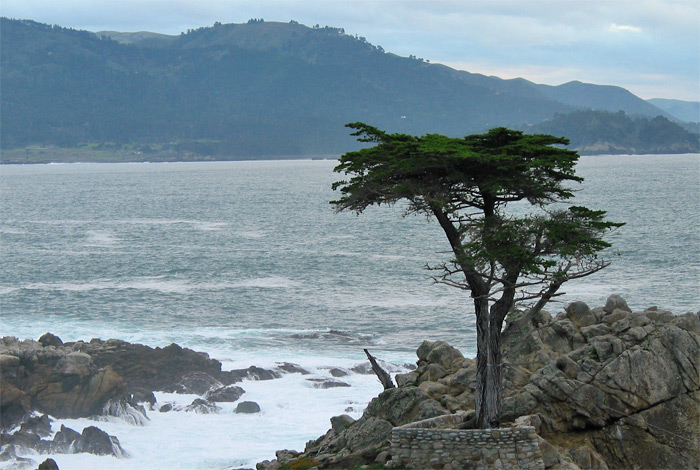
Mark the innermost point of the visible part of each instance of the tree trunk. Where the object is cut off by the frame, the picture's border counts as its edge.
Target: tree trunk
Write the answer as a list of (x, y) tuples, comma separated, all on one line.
[(481, 395), (492, 406)]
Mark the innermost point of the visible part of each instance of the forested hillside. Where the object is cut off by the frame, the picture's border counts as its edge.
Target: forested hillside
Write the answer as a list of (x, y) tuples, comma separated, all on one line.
[(255, 89)]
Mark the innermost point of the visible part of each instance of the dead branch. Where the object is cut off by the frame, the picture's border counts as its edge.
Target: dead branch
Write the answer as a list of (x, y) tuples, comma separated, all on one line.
[(383, 375)]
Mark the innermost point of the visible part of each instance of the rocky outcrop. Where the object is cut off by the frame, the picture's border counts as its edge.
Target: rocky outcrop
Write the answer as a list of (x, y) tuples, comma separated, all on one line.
[(101, 379), (98, 379), (66, 441), (172, 368), (621, 388), (56, 380), (605, 388)]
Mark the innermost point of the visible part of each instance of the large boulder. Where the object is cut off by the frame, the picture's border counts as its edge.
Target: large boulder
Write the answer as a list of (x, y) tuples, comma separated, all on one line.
[(93, 440)]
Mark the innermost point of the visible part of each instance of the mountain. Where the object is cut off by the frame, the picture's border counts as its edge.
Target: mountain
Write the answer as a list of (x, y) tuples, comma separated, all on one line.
[(600, 97), (603, 132), (688, 111), (255, 89)]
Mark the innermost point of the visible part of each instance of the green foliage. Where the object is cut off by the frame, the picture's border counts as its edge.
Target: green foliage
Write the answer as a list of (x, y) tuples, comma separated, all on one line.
[(467, 184), (593, 354), (483, 171), (300, 464), (602, 131)]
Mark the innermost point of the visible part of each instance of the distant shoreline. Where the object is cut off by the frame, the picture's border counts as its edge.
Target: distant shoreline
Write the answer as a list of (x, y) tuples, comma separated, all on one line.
[(48, 155), (45, 155)]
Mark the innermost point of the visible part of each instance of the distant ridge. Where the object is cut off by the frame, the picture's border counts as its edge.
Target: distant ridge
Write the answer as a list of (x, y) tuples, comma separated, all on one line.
[(684, 110), (254, 89)]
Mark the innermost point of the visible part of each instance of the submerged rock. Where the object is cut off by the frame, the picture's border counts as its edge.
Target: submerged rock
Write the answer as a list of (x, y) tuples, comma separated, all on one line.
[(253, 373), (230, 393), (292, 368), (202, 407), (198, 383), (48, 464), (247, 407), (327, 383)]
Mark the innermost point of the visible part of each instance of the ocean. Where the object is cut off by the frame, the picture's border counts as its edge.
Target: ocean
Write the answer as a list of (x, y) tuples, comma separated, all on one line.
[(248, 262)]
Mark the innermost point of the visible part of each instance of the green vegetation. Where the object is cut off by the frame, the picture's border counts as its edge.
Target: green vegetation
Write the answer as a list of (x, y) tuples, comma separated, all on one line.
[(611, 133), (258, 89), (500, 256), (301, 463)]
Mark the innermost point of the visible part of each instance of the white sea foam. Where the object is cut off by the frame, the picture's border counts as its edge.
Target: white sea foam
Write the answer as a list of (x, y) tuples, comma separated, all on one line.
[(101, 238), (8, 289), (402, 301), (12, 231), (155, 283), (272, 282), (210, 226)]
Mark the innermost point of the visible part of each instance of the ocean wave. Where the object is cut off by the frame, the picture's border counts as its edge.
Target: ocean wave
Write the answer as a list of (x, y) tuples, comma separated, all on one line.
[(154, 283), (101, 238)]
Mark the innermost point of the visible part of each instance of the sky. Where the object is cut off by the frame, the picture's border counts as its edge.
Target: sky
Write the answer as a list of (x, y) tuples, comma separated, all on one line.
[(650, 47)]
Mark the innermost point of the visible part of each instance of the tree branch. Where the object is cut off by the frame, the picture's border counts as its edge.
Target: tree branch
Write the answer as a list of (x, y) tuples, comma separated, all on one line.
[(383, 375)]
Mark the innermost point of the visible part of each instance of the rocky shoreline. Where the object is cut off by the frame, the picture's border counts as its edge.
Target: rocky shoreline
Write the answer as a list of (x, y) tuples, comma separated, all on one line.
[(604, 388), (99, 379)]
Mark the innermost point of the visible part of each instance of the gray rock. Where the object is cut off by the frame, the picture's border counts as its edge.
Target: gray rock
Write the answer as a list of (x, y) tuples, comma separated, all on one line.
[(587, 458), (438, 352), (248, 407), (284, 456), (580, 314), (254, 373), (49, 339), (337, 372), (433, 372), (403, 380), (339, 423), (48, 464), (688, 322), (615, 301), (292, 368), (327, 383), (550, 454), (230, 393), (64, 440), (383, 457), (39, 425), (96, 441), (75, 363), (599, 329), (541, 318), (398, 405), (198, 383), (203, 407), (7, 362)]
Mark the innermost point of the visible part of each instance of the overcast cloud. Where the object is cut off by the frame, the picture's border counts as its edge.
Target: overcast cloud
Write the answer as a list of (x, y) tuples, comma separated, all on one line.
[(651, 47)]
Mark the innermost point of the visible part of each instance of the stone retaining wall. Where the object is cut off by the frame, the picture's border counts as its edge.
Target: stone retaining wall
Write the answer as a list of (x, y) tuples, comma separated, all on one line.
[(421, 445)]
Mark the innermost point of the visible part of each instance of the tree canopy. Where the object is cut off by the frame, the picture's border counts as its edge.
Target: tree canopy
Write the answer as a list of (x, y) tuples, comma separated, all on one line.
[(501, 256)]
